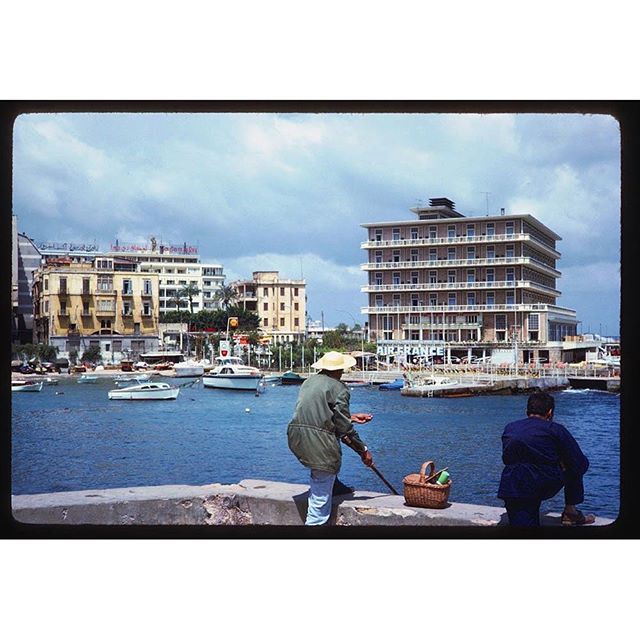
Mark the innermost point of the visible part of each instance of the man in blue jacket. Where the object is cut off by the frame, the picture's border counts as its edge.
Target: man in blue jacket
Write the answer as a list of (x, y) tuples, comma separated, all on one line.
[(541, 457)]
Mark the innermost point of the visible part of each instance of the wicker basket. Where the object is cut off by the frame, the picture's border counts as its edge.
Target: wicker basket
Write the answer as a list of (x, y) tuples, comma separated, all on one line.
[(420, 493)]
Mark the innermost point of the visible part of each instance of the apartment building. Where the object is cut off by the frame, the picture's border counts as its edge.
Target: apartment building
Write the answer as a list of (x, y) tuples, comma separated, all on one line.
[(106, 302), (177, 266), (27, 259), (279, 303), (444, 278)]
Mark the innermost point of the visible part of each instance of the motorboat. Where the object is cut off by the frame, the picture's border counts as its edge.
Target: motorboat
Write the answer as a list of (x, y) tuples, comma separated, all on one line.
[(26, 385), (291, 377), (356, 384), (136, 377), (272, 378), (398, 383), (87, 378), (188, 369), (433, 385), (145, 391), (231, 373)]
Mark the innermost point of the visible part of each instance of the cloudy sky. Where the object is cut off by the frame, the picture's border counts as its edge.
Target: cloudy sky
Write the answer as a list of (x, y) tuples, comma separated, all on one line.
[(289, 191)]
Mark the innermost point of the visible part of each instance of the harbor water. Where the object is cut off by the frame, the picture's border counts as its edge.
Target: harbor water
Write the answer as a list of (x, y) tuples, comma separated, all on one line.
[(71, 437)]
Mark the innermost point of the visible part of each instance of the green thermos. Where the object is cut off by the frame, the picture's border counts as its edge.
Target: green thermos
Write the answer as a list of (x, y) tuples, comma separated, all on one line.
[(443, 478)]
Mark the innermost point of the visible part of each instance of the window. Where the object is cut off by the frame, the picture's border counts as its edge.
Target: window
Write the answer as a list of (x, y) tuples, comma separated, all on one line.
[(414, 300), (105, 283), (377, 235), (414, 277), (471, 298), (491, 229), (433, 254), (378, 279), (104, 324), (491, 251), (491, 298), (395, 233), (147, 287), (501, 321), (46, 306), (490, 275), (396, 256), (534, 321), (46, 284), (282, 306), (378, 258), (451, 276), (433, 277), (206, 283), (379, 302), (396, 299), (63, 285), (296, 306), (95, 343), (296, 322), (136, 329), (452, 299), (127, 286), (265, 322), (451, 231), (510, 277), (126, 308), (510, 298), (295, 292), (433, 232), (85, 309), (509, 251), (171, 281), (451, 253), (471, 253), (509, 228), (265, 291), (105, 305), (282, 322), (104, 264), (86, 285), (182, 282), (107, 346), (414, 255), (146, 308), (396, 277), (433, 299), (471, 275), (471, 230), (414, 233), (281, 291), (265, 306), (63, 308)]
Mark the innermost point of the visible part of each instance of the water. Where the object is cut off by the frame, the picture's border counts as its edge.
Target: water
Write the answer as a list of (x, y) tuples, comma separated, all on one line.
[(81, 440)]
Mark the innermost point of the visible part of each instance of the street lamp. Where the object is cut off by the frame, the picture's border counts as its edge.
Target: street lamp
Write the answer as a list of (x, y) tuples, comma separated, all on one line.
[(361, 337)]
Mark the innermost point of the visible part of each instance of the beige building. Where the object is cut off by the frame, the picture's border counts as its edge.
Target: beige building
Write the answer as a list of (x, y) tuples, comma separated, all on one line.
[(464, 283), (105, 302), (280, 304)]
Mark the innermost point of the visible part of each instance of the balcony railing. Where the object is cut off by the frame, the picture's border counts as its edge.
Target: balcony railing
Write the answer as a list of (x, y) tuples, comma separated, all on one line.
[(64, 313), (126, 292), (460, 262), (105, 292), (434, 286), (477, 308), (481, 239), (105, 312), (440, 325)]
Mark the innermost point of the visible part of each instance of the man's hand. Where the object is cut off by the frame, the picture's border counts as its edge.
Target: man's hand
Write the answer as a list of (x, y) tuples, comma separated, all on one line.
[(361, 418), (367, 458)]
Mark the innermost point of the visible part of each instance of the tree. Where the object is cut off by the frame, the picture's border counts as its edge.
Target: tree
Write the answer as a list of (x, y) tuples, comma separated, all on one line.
[(189, 291), (333, 340), (92, 354), (225, 295), (47, 353)]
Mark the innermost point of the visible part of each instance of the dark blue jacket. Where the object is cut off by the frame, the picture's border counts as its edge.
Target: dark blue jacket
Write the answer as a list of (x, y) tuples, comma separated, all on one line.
[(532, 450)]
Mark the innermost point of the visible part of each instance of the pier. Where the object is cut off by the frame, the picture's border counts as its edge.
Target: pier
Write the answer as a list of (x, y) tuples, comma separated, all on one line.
[(249, 502)]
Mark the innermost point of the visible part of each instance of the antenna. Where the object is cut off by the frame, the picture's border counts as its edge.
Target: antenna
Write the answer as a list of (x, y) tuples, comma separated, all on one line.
[(487, 193)]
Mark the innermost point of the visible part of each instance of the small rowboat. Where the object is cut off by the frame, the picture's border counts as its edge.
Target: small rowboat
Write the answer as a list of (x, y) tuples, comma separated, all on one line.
[(26, 385)]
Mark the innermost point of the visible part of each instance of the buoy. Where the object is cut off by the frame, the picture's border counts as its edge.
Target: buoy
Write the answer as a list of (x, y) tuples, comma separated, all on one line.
[(59, 393), (247, 410)]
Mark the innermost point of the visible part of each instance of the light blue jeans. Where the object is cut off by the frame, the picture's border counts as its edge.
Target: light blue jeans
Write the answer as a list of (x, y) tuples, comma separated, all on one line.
[(320, 497)]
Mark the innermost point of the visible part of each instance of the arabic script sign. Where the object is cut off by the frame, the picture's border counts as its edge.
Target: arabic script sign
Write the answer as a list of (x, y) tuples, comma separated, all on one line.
[(66, 246), (164, 248)]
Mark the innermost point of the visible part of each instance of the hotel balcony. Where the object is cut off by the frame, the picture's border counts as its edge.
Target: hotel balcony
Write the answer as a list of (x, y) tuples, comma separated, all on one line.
[(126, 293), (146, 294), (482, 239), (470, 262), (63, 313), (425, 324), (468, 308), (456, 286), (104, 292), (105, 312)]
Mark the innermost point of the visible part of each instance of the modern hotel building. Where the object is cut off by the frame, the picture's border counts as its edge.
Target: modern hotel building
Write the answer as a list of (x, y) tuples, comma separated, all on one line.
[(464, 285)]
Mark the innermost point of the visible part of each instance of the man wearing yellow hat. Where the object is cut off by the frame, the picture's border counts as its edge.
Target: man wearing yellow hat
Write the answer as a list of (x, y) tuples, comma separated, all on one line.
[(321, 418)]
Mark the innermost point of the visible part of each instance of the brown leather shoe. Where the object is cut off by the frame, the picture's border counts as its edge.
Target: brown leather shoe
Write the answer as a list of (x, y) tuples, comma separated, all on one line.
[(576, 519)]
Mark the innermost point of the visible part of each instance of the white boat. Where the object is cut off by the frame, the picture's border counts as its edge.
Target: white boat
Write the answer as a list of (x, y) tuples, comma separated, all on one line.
[(272, 378), (26, 385), (433, 385), (145, 391), (50, 381), (86, 378), (230, 373), (188, 369), (133, 377)]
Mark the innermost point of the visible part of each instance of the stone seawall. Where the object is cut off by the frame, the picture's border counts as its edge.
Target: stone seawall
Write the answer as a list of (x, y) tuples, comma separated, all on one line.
[(248, 502)]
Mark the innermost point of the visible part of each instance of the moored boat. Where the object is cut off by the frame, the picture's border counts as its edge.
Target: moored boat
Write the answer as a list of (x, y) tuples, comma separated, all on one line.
[(398, 383), (26, 385), (291, 377), (145, 391), (87, 378), (188, 369), (230, 373)]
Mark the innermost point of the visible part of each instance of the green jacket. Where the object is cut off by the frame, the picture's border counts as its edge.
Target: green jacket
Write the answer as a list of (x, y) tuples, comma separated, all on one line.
[(321, 417)]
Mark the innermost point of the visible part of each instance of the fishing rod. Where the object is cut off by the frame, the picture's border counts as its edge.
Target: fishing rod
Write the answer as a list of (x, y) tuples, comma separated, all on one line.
[(373, 467)]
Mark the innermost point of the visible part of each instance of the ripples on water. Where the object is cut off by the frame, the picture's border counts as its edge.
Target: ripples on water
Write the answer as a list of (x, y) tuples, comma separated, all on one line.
[(81, 440)]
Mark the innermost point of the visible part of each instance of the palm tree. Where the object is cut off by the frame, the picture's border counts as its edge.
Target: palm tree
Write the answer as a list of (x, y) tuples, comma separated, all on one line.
[(226, 294), (188, 291)]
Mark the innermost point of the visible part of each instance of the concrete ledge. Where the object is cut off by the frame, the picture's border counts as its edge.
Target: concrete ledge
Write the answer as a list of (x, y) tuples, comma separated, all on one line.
[(248, 502)]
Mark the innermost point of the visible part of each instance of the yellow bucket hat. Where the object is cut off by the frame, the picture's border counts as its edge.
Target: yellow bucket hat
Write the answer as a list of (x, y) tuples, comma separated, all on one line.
[(333, 360)]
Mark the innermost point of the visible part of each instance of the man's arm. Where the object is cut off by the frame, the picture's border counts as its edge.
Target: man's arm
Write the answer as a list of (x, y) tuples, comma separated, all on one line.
[(345, 430), (571, 457)]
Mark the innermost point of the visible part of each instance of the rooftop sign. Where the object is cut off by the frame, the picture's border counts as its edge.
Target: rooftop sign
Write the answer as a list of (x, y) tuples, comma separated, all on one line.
[(66, 246), (163, 248)]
